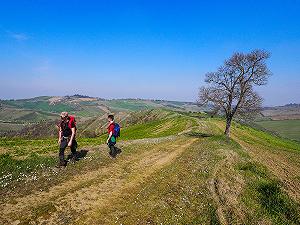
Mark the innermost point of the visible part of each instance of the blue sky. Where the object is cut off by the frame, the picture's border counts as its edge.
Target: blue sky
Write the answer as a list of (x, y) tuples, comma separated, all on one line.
[(142, 49)]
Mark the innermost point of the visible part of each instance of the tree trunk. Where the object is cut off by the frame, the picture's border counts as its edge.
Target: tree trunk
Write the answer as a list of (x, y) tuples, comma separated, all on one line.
[(228, 124)]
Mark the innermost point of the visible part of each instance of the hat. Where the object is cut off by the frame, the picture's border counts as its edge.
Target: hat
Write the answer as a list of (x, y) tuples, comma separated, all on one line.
[(64, 114)]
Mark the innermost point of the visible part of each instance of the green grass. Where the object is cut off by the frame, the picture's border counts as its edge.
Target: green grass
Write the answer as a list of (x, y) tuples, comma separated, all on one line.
[(286, 128), (25, 155), (12, 169), (277, 204), (40, 105), (88, 113), (14, 115), (253, 169), (177, 194), (37, 116), (255, 136), (180, 188), (10, 127), (24, 147), (157, 128), (132, 105), (264, 196)]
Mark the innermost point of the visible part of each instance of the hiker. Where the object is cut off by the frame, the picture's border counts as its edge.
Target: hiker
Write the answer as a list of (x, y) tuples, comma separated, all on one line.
[(66, 137), (113, 132)]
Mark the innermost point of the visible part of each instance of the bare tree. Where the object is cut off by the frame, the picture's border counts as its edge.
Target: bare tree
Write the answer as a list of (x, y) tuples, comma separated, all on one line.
[(230, 88)]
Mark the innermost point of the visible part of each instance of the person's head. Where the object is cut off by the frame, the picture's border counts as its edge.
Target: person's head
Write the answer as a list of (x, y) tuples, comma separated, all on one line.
[(64, 115), (110, 118)]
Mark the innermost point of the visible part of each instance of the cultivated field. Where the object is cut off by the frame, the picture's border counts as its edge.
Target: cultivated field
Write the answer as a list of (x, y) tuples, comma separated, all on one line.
[(286, 128)]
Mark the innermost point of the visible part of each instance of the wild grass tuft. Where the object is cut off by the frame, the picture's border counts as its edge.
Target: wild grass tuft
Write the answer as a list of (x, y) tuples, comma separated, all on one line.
[(278, 205), (265, 194)]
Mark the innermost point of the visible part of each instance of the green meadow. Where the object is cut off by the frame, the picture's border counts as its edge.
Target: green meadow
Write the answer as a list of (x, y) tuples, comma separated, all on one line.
[(286, 128)]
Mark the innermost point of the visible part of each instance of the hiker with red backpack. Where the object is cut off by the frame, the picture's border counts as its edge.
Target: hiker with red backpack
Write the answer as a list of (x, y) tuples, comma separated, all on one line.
[(66, 137), (113, 132)]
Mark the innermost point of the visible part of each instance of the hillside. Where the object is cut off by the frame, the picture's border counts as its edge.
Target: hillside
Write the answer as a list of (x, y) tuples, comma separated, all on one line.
[(31, 117), (281, 120), (85, 106), (286, 112), (175, 168)]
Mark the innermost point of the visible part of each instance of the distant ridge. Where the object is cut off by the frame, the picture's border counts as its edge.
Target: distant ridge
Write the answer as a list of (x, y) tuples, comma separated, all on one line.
[(292, 105), (98, 98), (289, 105)]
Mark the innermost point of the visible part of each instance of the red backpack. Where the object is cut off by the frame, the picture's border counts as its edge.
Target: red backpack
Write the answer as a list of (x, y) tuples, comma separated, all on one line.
[(72, 121)]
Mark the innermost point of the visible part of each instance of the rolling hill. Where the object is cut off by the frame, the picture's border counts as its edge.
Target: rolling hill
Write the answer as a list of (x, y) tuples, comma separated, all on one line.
[(32, 117), (286, 112), (36, 117)]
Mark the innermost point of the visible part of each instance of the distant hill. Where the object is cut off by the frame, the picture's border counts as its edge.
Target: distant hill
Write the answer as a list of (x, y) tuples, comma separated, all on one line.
[(282, 121), (285, 112), (293, 105), (27, 116), (89, 106)]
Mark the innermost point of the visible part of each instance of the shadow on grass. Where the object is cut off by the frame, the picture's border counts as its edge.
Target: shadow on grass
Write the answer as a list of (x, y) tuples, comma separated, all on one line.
[(277, 203), (79, 154), (199, 134)]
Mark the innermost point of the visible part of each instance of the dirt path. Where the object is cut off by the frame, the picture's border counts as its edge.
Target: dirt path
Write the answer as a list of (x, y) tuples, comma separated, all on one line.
[(71, 200), (225, 186)]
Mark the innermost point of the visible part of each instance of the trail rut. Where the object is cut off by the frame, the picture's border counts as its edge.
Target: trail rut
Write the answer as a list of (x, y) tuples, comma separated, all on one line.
[(225, 191), (72, 199)]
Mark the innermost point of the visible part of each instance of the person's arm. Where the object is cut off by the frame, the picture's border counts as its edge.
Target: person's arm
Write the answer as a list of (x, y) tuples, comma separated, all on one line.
[(59, 135), (109, 136), (72, 136)]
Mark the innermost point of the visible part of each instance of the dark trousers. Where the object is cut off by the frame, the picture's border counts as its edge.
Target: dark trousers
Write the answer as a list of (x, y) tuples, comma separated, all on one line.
[(63, 144), (112, 148)]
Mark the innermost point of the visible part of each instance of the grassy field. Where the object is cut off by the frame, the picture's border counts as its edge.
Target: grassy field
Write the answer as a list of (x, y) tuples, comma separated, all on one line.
[(10, 126), (24, 155), (41, 105), (133, 105), (175, 169), (286, 128)]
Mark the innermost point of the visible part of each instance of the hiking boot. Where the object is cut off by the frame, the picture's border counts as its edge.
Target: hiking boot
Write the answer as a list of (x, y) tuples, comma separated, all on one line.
[(73, 160), (119, 151), (61, 164), (112, 156)]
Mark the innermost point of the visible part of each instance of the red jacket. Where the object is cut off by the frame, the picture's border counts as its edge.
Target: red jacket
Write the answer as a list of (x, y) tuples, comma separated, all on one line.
[(110, 128)]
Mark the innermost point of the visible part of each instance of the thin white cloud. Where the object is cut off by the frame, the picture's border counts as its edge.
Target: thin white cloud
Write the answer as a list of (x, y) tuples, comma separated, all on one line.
[(18, 36)]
